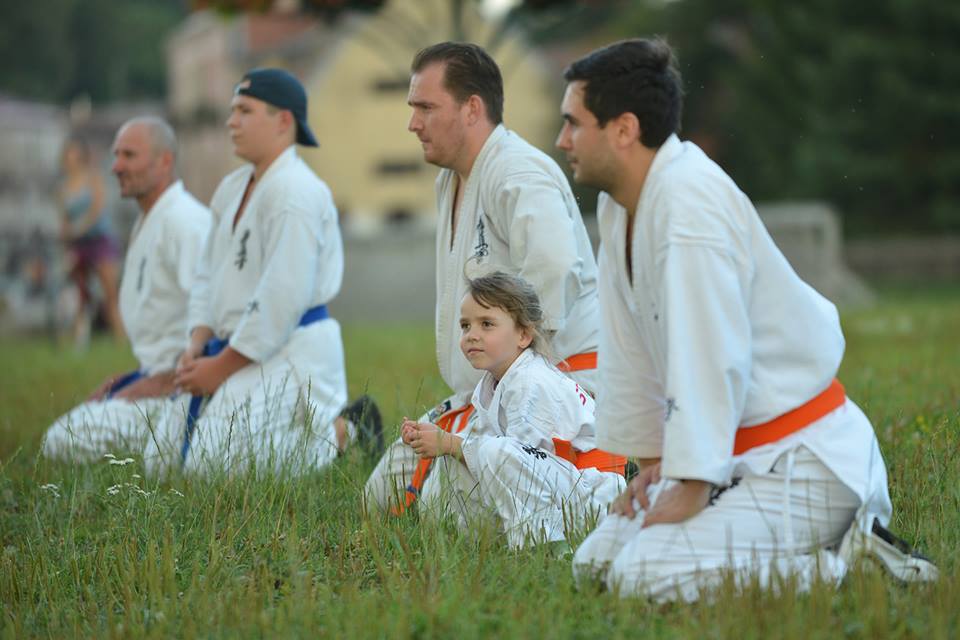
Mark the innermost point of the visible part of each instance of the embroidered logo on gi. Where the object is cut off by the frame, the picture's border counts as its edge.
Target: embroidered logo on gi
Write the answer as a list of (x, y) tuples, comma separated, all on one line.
[(242, 254), (252, 306), (671, 407), (716, 492), (536, 453), (143, 264), (583, 396), (434, 414), (482, 250)]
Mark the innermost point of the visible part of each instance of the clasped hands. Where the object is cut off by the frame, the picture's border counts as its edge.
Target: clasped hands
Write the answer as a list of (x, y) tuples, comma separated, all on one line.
[(428, 440), (677, 503), (202, 375)]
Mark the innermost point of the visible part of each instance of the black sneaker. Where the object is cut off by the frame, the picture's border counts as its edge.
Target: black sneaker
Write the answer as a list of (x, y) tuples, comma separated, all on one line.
[(365, 416)]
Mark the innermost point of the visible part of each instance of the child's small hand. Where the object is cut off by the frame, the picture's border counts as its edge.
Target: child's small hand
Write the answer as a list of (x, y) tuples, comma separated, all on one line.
[(427, 440), (407, 430)]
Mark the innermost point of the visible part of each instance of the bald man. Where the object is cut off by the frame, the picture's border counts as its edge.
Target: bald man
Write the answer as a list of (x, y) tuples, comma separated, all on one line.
[(165, 245)]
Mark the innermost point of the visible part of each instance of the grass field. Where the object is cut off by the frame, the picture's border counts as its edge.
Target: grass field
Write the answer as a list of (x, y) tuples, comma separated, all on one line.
[(279, 558)]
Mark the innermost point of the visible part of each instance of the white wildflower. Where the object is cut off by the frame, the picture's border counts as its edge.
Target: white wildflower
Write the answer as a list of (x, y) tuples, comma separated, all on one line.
[(114, 490), (136, 475), (123, 462), (175, 492), (52, 488), (109, 455)]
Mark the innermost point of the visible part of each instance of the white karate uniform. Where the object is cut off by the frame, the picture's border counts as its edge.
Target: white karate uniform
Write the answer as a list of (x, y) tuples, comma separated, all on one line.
[(518, 215), (510, 456), (254, 283), (165, 245), (716, 332)]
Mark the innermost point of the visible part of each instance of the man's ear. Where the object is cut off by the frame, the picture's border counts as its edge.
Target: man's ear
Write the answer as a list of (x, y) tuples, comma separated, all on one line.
[(287, 122), (476, 109), (167, 161), (627, 128)]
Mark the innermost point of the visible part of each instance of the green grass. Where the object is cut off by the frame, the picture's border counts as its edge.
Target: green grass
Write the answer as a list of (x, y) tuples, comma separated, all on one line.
[(296, 558)]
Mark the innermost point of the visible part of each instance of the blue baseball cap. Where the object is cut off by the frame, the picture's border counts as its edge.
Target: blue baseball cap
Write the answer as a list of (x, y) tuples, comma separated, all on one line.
[(281, 89)]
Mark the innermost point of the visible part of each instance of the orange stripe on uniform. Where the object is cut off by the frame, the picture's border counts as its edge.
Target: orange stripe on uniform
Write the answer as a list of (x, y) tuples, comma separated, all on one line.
[(780, 427), (579, 362), (445, 422)]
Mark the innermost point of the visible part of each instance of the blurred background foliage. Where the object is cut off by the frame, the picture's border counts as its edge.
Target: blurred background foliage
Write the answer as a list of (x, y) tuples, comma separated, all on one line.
[(855, 102)]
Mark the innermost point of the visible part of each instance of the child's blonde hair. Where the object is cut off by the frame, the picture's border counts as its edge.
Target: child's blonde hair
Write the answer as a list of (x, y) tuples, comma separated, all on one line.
[(518, 298)]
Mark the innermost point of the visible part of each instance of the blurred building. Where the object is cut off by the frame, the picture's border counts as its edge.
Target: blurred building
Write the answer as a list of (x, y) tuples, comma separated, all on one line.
[(356, 71)]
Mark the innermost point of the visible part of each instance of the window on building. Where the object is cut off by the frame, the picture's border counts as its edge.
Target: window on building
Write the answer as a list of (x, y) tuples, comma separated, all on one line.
[(399, 167), (391, 85)]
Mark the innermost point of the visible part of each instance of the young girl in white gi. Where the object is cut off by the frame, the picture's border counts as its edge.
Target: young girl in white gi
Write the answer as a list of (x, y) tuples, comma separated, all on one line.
[(533, 430)]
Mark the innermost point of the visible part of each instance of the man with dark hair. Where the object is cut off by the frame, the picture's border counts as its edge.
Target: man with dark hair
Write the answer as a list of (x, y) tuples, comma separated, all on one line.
[(165, 246), (717, 362), (502, 205)]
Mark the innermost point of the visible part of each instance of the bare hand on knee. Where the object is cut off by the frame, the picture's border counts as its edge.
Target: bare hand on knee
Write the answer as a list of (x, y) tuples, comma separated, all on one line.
[(637, 489), (679, 502)]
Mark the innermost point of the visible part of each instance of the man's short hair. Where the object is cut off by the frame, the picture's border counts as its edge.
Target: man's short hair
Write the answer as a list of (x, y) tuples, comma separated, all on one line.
[(162, 137), (638, 76), (468, 71)]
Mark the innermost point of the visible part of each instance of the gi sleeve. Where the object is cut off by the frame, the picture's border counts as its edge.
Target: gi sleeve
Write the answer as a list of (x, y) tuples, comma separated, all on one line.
[(291, 252), (630, 411), (184, 249), (199, 313), (542, 241), (705, 328)]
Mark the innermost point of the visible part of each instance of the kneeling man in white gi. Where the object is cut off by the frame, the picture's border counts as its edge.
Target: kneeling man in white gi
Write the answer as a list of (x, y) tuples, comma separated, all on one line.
[(165, 246), (502, 205), (264, 360), (717, 362)]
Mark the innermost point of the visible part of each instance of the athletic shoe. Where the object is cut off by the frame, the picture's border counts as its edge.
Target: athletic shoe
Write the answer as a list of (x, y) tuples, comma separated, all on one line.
[(365, 416)]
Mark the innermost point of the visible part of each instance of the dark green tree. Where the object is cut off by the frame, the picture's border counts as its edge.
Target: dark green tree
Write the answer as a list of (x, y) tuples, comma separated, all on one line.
[(55, 50), (854, 102)]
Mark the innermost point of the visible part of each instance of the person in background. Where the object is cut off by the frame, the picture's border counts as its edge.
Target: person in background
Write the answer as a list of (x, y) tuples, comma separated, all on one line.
[(85, 229)]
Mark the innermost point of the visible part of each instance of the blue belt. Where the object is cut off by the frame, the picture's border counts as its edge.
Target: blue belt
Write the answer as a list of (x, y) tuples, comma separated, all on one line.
[(214, 346), (123, 381)]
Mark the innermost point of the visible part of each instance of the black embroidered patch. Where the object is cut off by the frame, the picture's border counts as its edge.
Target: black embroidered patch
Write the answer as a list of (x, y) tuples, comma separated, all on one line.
[(252, 306), (143, 264), (537, 453), (671, 407), (482, 249), (434, 414), (716, 492), (242, 253)]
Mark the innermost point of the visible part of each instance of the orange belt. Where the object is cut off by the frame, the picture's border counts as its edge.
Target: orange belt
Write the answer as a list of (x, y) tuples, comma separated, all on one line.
[(584, 460), (780, 427), (593, 459)]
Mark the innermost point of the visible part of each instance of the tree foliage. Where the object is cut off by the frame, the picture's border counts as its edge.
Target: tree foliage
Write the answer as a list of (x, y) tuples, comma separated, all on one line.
[(55, 50), (854, 102)]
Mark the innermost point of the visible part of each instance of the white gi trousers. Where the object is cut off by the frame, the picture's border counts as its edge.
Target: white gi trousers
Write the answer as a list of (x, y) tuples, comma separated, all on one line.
[(532, 494), (92, 429), (276, 416), (769, 525)]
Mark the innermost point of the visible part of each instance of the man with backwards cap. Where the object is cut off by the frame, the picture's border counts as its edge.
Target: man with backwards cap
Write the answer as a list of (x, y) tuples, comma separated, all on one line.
[(165, 245), (264, 361)]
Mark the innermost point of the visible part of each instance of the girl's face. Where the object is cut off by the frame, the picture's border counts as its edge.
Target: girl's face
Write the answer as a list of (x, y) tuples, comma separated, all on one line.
[(489, 337)]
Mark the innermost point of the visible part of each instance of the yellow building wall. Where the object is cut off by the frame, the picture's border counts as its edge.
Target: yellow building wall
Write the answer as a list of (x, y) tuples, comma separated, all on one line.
[(359, 128)]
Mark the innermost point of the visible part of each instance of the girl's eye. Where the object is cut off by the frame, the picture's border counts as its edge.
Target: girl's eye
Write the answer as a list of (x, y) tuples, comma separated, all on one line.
[(487, 323), (464, 326)]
